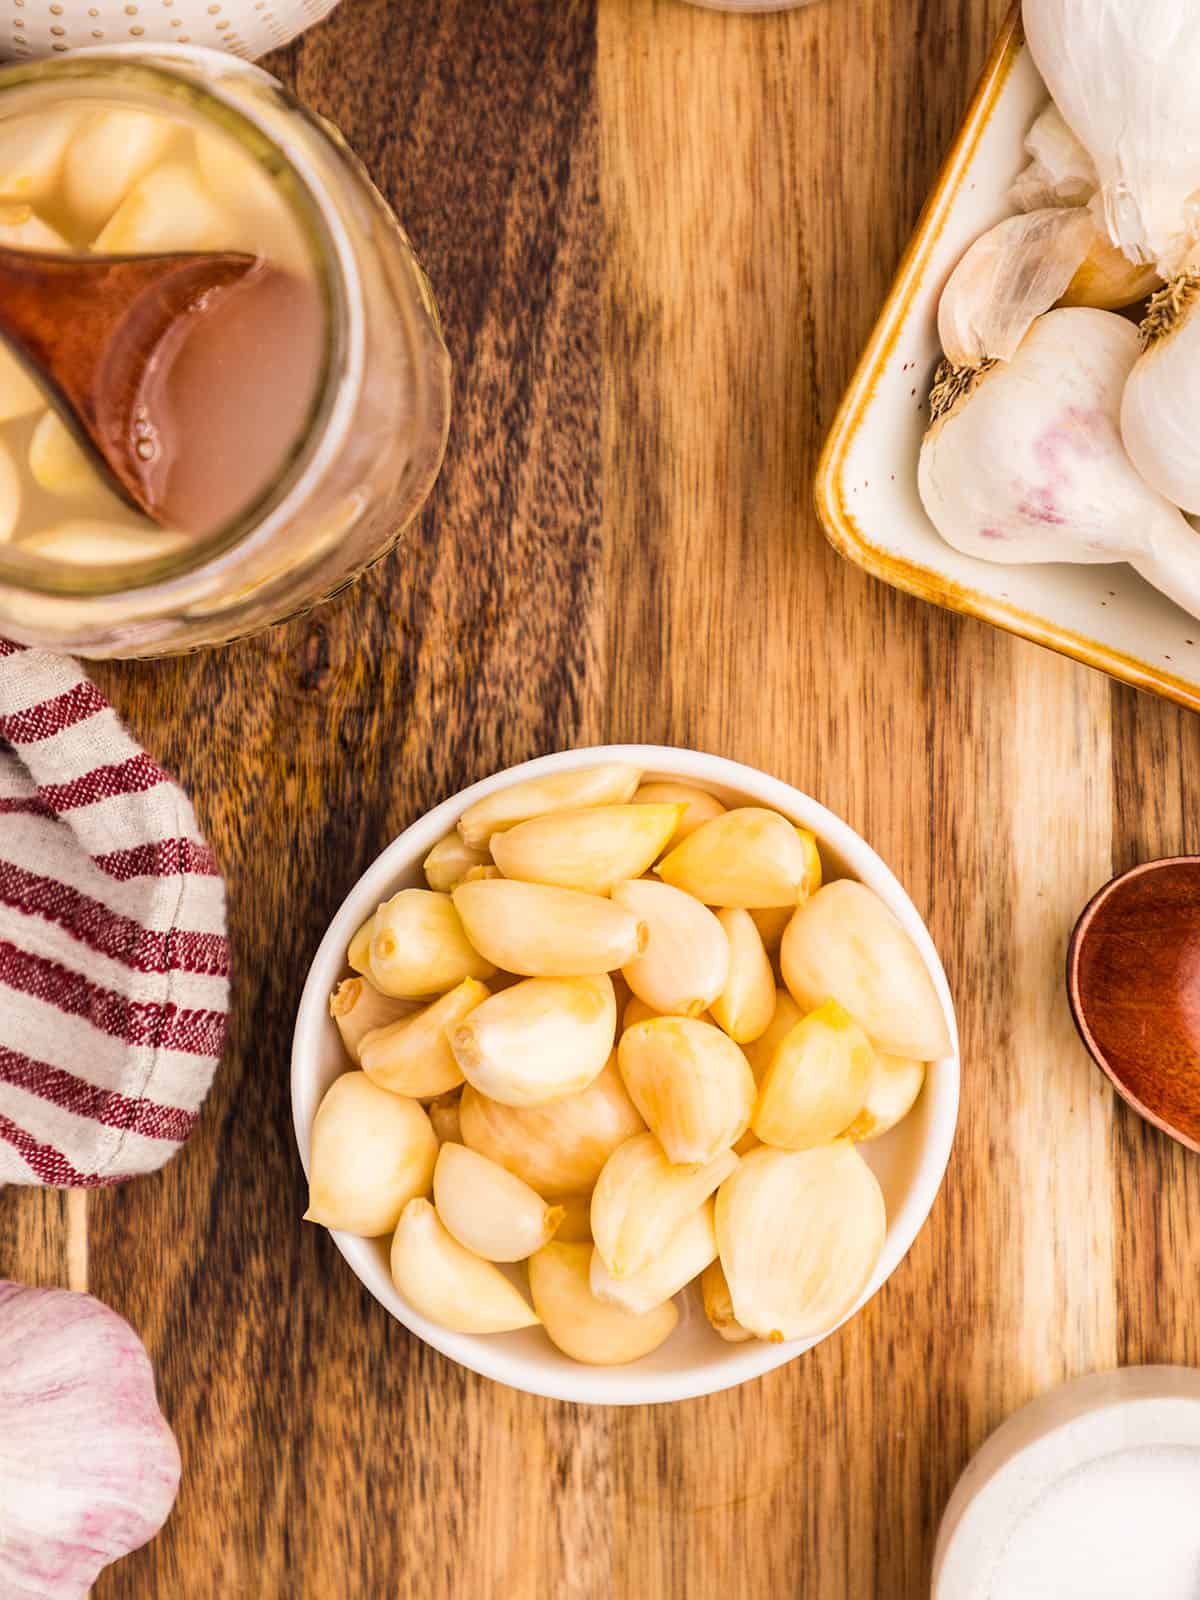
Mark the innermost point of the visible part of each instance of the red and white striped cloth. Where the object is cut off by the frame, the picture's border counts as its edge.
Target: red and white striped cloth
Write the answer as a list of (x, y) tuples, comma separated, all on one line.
[(114, 966)]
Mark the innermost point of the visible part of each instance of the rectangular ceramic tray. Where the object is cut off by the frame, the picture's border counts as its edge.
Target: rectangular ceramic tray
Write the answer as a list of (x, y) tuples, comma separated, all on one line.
[(866, 490)]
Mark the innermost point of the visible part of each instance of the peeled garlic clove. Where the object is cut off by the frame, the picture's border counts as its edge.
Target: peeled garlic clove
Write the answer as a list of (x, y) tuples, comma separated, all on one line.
[(698, 805), (771, 922), (23, 229), (479, 874), (891, 1094), (1108, 280), (559, 1148), (1157, 408), (685, 962), (691, 1083), (641, 1201), (685, 1258), (845, 945), (443, 1116), (19, 395), (718, 1305), (748, 857), (107, 156), (746, 1004), (359, 953), (817, 1082), (57, 463), (92, 543), (372, 1152), (540, 1040), (448, 863), (418, 947), (169, 209), (357, 1008), (1024, 462), (412, 1056), (575, 1225), (448, 1283), (584, 1328), (590, 849), (487, 1209), (10, 493), (32, 150), (800, 1233), (1060, 172), (1009, 276), (542, 931), (614, 783)]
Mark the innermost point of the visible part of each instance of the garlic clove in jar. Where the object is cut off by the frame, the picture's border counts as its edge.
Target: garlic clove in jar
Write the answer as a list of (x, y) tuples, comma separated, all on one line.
[(817, 1082), (10, 493), (718, 1304), (542, 931), (845, 945), (685, 1258), (412, 1055), (448, 1283), (106, 157), (685, 963), (749, 857), (358, 1009), (559, 1148), (19, 395), (56, 461), (590, 849), (698, 805), (168, 209), (692, 1084), (448, 863), (88, 542), (487, 1209), (1060, 171), (372, 1152), (32, 151), (746, 1004), (800, 1233), (891, 1094), (583, 1327), (1158, 416), (92, 1466), (419, 948), (641, 1201), (760, 1052), (540, 1040), (1024, 461), (613, 783), (23, 229)]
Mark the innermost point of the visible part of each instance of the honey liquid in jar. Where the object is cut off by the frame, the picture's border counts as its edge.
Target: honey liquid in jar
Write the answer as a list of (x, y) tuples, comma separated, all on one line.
[(231, 388)]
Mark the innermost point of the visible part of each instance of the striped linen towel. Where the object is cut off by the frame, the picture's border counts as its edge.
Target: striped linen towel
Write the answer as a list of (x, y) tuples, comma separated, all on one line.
[(114, 966)]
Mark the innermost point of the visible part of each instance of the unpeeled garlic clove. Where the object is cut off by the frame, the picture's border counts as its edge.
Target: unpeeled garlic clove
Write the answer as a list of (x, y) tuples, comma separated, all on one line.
[(685, 1258), (443, 1116), (685, 962), (641, 1201), (845, 945), (891, 1094), (589, 849), (412, 1056), (358, 1008), (10, 493), (613, 783), (57, 463), (372, 1152), (583, 1327), (749, 857), (19, 395), (448, 863), (489, 1210), (1158, 404), (698, 805), (107, 156), (575, 1225), (542, 931), (692, 1084), (1108, 280), (1060, 171), (419, 948), (448, 1283), (746, 1004), (817, 1082), (718, 1304), (538, 1041), (800, 1233), (359, 953), (168, 209)]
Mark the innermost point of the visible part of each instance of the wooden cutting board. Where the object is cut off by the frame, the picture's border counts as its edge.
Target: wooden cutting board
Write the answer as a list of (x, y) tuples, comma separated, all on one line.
[(659, 237)]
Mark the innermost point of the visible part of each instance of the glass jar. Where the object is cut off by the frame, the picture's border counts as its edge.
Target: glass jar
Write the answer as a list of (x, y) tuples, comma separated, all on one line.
[(375, 434)]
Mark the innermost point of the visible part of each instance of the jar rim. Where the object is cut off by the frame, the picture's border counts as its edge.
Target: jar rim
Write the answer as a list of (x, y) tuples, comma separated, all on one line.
[(180, 73)]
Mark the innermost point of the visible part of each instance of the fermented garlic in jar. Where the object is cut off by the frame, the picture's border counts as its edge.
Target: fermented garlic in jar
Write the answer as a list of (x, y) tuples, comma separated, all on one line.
[(292, 443)]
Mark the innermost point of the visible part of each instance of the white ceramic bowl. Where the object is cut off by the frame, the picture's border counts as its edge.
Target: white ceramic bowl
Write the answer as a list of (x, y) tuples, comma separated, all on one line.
[(909, 1162)]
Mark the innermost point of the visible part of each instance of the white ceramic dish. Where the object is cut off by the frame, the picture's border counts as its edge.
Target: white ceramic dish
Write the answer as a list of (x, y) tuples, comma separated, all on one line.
[(867, 482), (909, 1162)]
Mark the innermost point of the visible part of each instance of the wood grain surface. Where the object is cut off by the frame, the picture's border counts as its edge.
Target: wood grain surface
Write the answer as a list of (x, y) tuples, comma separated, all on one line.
[(659, 237)]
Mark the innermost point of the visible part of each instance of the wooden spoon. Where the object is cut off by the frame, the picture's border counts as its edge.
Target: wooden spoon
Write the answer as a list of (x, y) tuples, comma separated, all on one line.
[(1133, 978), (90, 327)]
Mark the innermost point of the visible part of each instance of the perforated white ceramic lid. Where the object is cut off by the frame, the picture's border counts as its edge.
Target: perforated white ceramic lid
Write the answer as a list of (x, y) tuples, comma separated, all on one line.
[(248, 28)]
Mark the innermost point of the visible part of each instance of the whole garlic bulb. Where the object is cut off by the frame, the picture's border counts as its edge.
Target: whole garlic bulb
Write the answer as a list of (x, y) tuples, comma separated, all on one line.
[(1162, 396), (1024, 460), (89, 1468)]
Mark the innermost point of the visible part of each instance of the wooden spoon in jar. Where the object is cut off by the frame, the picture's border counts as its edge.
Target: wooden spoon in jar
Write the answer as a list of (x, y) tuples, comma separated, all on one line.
[(114, 338)]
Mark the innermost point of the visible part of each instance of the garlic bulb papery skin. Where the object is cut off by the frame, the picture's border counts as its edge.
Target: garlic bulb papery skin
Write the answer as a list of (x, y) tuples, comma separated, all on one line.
[(1161, 398), (1060, 171), (1010, 275), (89, 1464), (1124, 78), (1024, 461)]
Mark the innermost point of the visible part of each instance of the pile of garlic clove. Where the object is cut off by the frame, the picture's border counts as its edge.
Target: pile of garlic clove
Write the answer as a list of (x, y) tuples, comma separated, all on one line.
[(627, 1038), (1060, 429)]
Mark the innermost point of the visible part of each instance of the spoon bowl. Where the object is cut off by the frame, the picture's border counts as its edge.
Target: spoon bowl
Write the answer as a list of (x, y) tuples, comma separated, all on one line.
[(1133, 980)]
